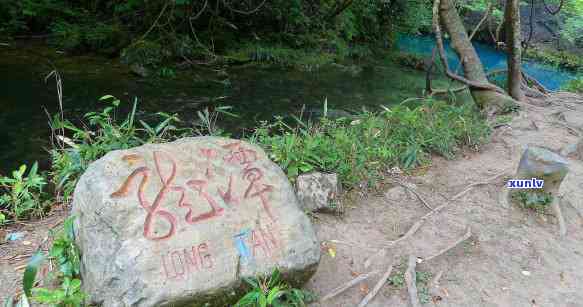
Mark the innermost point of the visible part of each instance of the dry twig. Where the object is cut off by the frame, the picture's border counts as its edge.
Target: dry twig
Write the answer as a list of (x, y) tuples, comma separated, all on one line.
[(408, 188), (486, 16), (377, 287), (473, 185), (355, 281)]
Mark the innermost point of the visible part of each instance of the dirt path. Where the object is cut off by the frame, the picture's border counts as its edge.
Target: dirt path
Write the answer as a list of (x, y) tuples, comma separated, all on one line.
[(513, 258)]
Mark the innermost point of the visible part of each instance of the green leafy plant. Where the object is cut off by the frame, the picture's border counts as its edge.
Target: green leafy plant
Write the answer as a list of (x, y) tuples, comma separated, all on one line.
[(271, 291), (167, 73), (575, 86), (364, 146), (533, 199), (207, 123), (65, 255), (22, 194), (104, 132)]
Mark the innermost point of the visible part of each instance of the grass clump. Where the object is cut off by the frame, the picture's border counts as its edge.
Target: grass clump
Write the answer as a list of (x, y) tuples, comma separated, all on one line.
[(575, 86), (271, 291), (535, 200), (422, 278), (102, 133), (557, 58), (21, 195), (364, 146), (279, 55)]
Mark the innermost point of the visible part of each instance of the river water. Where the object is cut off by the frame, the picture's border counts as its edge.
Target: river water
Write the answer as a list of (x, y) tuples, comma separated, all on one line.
[(255, 92), (492, 59)]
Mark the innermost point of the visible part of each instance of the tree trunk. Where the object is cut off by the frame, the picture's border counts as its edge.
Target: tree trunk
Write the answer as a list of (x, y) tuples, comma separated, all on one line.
[(512, 21), (490, 101)]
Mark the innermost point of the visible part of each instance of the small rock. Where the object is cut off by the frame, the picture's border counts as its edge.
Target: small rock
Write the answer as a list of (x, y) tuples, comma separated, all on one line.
[(569, 150), (574, 151), (541, 163), (318, 191)]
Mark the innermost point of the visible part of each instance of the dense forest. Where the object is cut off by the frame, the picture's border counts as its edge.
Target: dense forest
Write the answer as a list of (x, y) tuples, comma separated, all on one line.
[(151, 32)]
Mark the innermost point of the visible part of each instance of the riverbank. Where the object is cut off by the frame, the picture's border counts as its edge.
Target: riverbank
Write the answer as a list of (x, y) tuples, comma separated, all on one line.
[(512, 256), (256, 92), (516, 253)]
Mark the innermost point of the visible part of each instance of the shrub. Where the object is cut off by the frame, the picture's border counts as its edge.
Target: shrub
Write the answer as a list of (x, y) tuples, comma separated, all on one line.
[(22, 194), (144, 52), (532, 199), (271, 291), (575, 86), (89, 36), (104, 133), (557, 58), (363, 147)]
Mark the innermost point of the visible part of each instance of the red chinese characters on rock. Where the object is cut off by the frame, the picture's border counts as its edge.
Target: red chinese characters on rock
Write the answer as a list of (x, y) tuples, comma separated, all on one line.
[(166, 169)]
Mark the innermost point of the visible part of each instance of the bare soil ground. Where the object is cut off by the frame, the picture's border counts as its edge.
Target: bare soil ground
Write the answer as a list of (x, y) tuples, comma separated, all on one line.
[(514, 257)]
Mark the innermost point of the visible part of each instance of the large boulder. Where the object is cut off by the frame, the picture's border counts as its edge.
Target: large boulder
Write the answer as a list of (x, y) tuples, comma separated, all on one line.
[(182, 223)]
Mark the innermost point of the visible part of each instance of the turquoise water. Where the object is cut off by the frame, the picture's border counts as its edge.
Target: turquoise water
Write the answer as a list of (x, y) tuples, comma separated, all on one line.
[(493, 59)]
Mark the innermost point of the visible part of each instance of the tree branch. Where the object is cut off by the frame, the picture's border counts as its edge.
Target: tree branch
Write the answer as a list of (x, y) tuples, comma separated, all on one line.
[(443, 57)]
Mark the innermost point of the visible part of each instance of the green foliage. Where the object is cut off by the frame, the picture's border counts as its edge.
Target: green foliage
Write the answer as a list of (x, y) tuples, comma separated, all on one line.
[(410, 60), (556, 58), (22, 194), (88, 36), (280, 55), (509, 107), (363, 147), (104, 133), (533, 199), (338, 28), (481, 6), (575, 86), (65, 255), (572, 30), (144, 52), (397, 280), (273, 292), (167, 73)]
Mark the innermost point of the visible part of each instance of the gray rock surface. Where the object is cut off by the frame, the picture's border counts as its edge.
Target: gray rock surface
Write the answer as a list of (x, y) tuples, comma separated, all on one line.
[(318, 191), (181, 223), (541, 163), (140, 70)]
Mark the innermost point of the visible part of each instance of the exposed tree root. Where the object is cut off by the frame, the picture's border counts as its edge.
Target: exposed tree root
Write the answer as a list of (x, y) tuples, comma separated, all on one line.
[(377, 287), (473, 185), (411, 281), (557, 209), (408, 188), (466, 236), (355, 281)]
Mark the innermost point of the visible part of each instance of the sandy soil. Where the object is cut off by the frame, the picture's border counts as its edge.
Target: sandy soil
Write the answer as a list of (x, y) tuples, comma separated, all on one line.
[(514, 257)]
